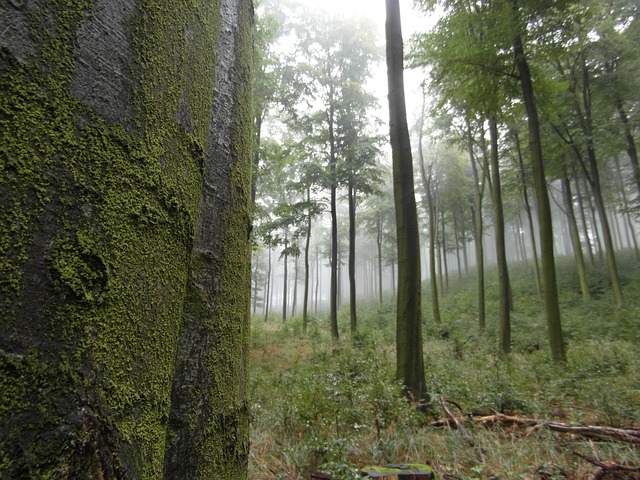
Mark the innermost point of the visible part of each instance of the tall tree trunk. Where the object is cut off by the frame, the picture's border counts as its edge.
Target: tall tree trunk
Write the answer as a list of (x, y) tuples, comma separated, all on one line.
[(504, 290), (379, 247), (285, 277), (626, 211), (549, 282), (575, 236), (410, 362), (305, 305), (426, 183), (456, 234), (445, 263), (583, 218), (294, 299), (478, 229), (527, 208), (267, 295), (318, 282), (594, 181), (352, 259), (631, 143), (333, 289), (255, 275)]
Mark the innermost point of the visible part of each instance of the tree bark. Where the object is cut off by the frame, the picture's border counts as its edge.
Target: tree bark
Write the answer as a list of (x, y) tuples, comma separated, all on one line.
[(478, 229), (333, 289), (305, 306), (527, 207), (410, 362), (504, 293), (426, 183), (115, 295), (575, 237), (549, 282), (631, 143), (594, 182), (352, 259)]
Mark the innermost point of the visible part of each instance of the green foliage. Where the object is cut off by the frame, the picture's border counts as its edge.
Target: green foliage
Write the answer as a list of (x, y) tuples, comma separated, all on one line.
[(338, 406)]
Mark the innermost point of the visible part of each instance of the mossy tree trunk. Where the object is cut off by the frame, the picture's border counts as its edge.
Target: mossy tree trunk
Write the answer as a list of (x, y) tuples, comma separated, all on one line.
[(107, 141)]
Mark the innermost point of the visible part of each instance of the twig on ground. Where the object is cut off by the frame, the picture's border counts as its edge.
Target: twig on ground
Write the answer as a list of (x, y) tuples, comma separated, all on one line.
[(606, 467)]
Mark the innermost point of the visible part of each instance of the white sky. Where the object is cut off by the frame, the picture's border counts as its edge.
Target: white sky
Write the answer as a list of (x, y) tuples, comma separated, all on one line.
[(412, 21)]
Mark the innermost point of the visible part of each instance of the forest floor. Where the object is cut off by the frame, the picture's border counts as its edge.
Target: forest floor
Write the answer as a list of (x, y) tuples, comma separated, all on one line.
[(333, 407)]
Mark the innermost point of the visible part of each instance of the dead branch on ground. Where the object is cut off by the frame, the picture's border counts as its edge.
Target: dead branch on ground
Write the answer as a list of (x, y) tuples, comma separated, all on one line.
[(627, 435)]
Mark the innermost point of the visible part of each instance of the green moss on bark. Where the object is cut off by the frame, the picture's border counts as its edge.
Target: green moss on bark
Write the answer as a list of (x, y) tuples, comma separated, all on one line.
[(108, 213)]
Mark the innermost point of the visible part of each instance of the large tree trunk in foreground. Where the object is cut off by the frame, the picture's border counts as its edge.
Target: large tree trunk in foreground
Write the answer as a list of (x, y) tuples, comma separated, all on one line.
[(125, 280), (410, 363)]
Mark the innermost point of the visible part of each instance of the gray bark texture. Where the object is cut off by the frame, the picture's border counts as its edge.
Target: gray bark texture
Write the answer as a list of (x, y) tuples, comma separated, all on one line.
[(410, 361), (125, 197)]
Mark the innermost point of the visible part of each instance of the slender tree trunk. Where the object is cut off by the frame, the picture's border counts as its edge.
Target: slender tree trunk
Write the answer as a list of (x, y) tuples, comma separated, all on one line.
[(267, 296), (444, 252), (575, 237), (504, 311), (294, 298), (318, 282), (305, 305), (594, 180), (410, 362), (550, 288), (626, 209), (333, 292), (527, 208), (456, 236), (438, 247), (465, 241), (595, 225), (352, 259), (583, 219), (426, 183), (285, 280), (478, 230), (254, 304), (521, 239), (379, 247), (631, 143)]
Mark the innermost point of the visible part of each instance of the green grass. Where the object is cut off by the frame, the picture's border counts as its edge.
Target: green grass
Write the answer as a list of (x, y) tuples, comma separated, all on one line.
[(320, 405)]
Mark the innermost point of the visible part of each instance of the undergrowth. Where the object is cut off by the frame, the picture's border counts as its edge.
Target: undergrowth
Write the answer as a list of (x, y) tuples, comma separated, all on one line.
[(335, 407)]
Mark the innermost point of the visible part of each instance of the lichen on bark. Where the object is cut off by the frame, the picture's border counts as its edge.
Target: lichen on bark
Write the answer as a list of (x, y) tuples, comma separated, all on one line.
[(102, 163)]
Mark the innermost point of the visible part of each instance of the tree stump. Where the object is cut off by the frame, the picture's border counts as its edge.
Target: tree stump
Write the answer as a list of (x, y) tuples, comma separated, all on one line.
[(415, 471)]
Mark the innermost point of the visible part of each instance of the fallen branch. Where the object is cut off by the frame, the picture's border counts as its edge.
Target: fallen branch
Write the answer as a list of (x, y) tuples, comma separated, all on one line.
[(627, 435), (458, 424), (605, 468)]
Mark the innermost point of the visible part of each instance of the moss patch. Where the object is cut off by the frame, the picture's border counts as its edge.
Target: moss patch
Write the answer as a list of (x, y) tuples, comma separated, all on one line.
[(108, 213)]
